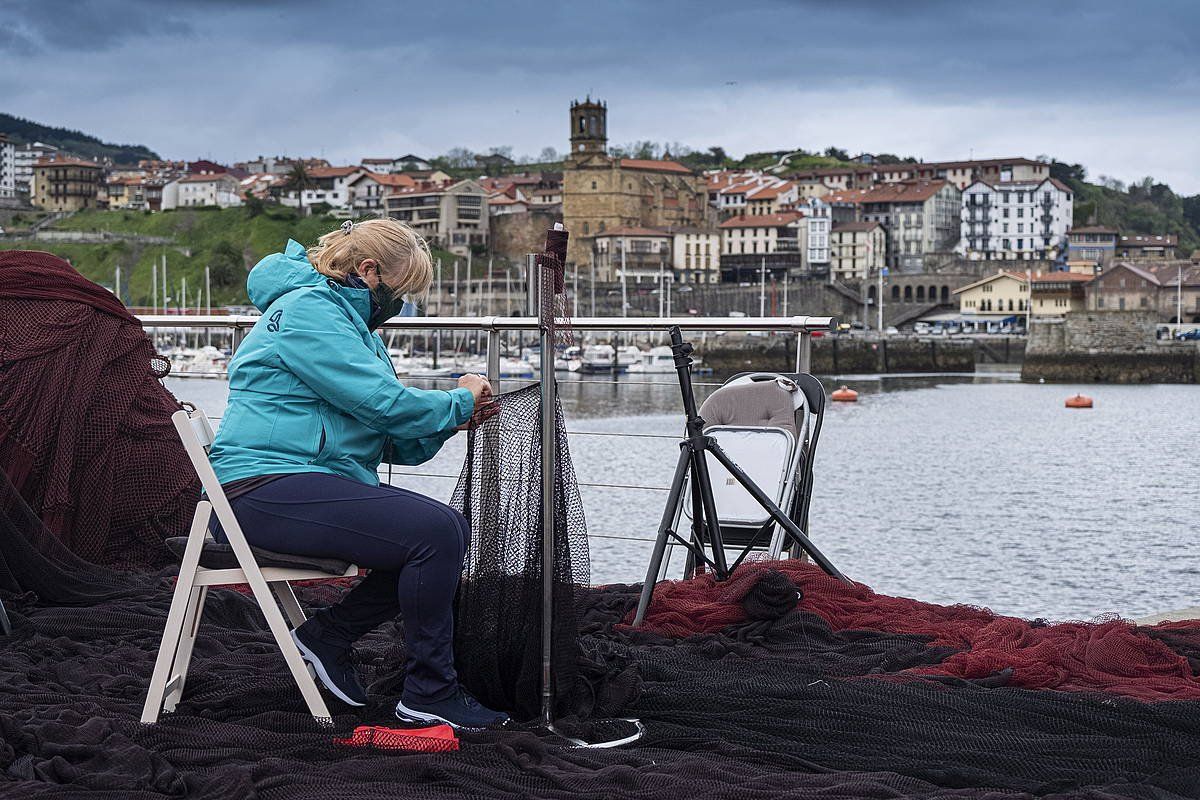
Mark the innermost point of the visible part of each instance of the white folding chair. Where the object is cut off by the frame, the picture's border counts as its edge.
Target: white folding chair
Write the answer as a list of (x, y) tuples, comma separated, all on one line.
[(191, 589)]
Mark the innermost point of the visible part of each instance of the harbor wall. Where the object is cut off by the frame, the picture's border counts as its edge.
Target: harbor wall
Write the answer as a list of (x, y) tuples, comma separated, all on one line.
[(839, 355), (1107, 347)]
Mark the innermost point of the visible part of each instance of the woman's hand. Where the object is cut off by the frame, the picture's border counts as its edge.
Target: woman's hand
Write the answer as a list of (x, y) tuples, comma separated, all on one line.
[(478, 386)]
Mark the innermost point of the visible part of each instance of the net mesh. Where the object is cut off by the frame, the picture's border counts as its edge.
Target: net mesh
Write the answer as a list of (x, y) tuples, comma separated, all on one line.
[(85, 429), (779, 682), (498, 622)]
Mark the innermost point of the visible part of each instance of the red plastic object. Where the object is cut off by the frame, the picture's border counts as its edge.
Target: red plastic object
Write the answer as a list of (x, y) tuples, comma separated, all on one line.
[(434, 739)]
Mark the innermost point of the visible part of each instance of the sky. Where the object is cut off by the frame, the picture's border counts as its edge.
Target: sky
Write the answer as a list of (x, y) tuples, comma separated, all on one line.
[(1112, 85)]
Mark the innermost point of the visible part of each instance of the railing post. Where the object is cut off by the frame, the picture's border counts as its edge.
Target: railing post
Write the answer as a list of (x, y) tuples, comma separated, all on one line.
[(803, 351), (493, 357), (236, 339)]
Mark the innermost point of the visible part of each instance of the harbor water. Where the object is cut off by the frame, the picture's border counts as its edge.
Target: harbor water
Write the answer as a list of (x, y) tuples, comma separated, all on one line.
[(982, 490)]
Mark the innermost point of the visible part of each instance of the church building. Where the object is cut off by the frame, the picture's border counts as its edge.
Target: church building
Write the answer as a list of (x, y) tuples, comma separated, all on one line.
[(601, 192)]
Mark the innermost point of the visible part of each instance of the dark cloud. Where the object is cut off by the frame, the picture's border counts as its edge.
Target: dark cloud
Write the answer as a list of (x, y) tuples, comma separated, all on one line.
[(231, 79)]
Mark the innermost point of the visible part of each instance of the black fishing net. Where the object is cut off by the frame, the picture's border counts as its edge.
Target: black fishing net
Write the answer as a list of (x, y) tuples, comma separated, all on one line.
[(498, 620), (781, 682)]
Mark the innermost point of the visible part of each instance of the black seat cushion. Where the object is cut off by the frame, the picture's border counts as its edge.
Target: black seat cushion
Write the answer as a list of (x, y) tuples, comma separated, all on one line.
[(220, 556)]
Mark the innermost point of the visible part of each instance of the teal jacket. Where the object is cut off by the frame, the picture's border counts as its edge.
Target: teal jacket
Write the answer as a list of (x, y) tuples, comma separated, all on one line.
[(311, 389)]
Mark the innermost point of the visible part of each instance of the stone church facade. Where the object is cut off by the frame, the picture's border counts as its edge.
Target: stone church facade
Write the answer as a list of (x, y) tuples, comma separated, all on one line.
[(601, 192)]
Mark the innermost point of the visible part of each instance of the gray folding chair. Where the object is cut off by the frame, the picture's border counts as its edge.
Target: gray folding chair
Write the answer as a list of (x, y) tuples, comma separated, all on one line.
[(207, 563)]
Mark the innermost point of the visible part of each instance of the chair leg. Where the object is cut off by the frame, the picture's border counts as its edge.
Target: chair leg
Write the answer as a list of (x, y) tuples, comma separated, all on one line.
[(287, 599), (291, 654), (173, 629), (183, 653)]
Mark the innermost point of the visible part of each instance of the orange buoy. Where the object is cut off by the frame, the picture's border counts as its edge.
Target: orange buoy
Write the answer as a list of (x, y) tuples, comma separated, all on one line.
[(844, 395), (1079, 401)]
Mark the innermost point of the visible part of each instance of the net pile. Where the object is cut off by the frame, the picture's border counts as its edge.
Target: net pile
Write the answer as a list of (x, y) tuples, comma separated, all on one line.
[(778, 682), (85, 430), (498, 619)]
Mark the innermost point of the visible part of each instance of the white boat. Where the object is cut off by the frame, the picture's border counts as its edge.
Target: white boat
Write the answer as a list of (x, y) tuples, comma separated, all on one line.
[(203, 362), (627, 356), (654, 360), (597, 358), (569, 361)]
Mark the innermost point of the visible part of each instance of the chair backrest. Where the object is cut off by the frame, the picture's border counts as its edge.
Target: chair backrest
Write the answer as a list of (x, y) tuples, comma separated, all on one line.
[(196, 433), (815, 404)]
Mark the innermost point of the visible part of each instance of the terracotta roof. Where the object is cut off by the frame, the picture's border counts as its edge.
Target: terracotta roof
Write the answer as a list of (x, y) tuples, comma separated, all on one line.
[(763, 220), (1093, 229), (903, 192), (331, 172), (769, 192), (388, 179), (65, 161), (655, 165), (378, 160), (1139, 271), (978, 162), (847, 196), (633, 231), (854, 226)]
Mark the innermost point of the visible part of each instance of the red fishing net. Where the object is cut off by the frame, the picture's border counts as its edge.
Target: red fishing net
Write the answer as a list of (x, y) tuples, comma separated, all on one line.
[(85, 429), (1109, 655)]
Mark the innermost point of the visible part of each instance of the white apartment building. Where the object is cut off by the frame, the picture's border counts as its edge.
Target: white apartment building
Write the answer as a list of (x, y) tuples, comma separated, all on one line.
[(25, 157), (222, 190), (8, 168), (453, 216), (696, 255), (819, 220), (1018, 220)]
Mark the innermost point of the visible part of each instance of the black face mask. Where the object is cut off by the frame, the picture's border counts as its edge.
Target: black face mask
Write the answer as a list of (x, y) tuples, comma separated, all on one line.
[(383, 305)]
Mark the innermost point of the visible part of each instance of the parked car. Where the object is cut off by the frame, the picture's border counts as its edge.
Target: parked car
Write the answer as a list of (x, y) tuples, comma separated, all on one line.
[(892, 330), (1189, 336), (858, 326), (922, 328)]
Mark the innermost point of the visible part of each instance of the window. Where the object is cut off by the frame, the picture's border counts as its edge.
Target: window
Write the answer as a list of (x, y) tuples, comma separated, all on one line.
[(1005, 213), (1100, 301), (1006, 244), (1004, 228), (1020, 212), (1020, 227), (1020, 244)]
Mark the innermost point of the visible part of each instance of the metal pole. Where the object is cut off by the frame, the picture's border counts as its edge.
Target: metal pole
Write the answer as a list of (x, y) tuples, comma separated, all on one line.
[(549, 469), (493, 358), (593, 259), (154, 287), (441, 292), (624, 291), (879, 309), (785, 293), (1179, 297), (762, 288), (207, 304), (803, 352)]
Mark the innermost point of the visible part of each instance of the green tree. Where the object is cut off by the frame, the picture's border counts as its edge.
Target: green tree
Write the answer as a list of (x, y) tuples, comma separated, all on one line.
[(254, 206), (226, 265), (298, 180)]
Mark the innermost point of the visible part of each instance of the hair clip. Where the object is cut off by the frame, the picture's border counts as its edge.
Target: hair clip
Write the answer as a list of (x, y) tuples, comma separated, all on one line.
[(347, 226)]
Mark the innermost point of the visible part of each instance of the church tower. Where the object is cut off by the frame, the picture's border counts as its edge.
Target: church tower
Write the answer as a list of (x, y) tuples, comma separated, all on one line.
[(589, 128)]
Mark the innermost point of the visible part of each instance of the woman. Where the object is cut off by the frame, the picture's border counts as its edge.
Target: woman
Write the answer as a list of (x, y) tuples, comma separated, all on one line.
[(314, 406)]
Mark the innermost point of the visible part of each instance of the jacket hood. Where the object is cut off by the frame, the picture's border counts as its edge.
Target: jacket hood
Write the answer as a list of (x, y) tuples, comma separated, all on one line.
[(280, 273)]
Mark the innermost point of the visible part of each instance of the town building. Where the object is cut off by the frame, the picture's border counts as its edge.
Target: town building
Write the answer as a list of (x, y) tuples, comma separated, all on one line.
[(453, 216), (66, 184), (633, 253), (1016, 220), (819, 227), (1124, 287), (1093, 245), (601, 192), (857, 250), (278, 165), (751, 244), (25, 157), (328, 185), (996, 299), (125, 192), (989, 170), (368, 190), (1056, 294), (1140, 246), (219, 189), (1179, 295), (696, 255), (8, 168), (919, 217)]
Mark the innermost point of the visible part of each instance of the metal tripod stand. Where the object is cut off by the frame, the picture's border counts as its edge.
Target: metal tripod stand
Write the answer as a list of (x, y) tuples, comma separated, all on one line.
[(693, 466)]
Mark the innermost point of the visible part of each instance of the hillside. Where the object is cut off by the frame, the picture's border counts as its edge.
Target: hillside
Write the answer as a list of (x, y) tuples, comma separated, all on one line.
[(228, 241), (24, 131)]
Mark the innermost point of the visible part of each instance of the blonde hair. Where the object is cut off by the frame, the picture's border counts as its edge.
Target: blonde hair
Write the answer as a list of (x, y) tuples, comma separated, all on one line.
[(403, 256)]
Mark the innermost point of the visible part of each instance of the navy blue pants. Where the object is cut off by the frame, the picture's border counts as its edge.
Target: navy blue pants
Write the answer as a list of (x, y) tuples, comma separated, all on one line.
[(413, 546)]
